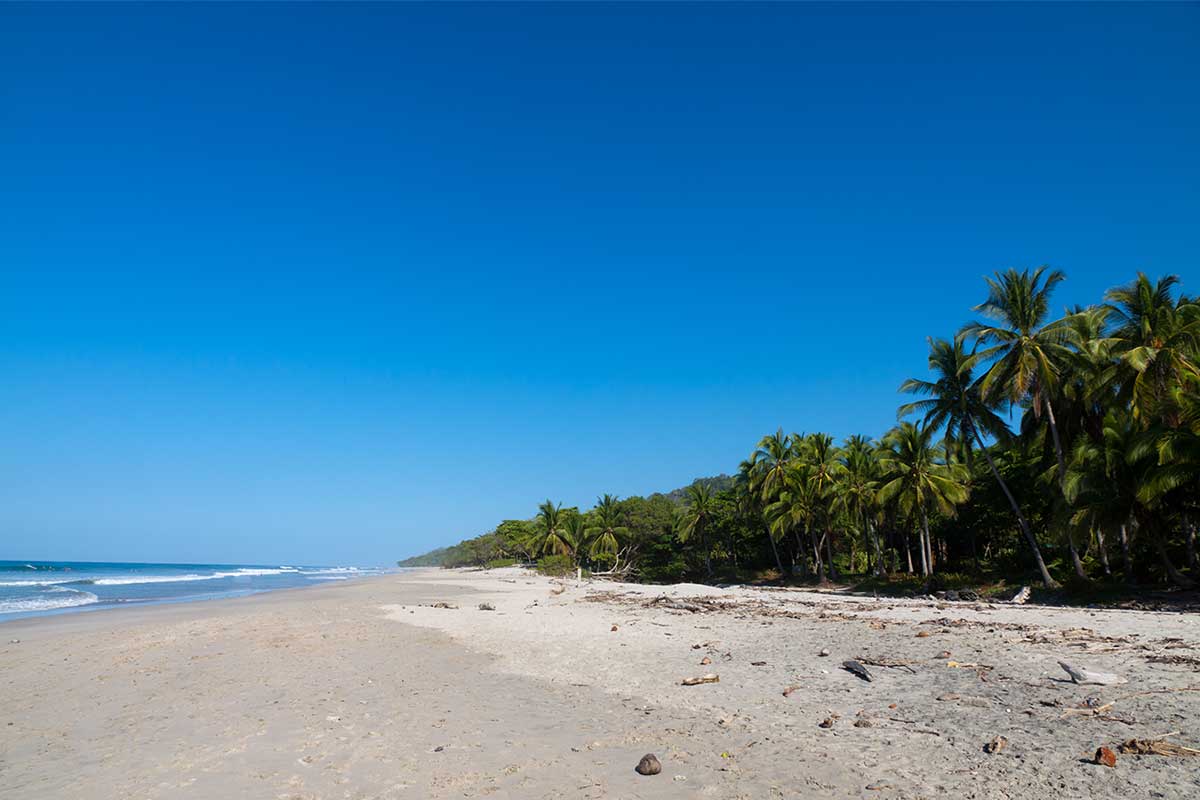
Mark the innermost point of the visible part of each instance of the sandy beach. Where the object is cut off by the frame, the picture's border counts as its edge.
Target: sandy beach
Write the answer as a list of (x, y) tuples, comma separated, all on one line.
[(368, 689)]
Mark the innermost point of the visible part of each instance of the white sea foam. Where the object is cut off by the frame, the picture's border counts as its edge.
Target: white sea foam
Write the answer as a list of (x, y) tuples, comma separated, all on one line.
[(68, 598)]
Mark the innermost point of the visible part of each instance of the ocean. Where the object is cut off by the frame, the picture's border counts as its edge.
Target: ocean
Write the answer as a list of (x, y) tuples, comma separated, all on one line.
[(32, 588)]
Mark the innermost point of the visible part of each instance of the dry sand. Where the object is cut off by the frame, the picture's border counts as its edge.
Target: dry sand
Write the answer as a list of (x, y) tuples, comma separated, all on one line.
[(365, 690)]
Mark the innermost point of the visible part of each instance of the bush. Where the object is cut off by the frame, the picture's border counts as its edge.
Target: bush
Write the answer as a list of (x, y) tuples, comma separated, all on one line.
[(556, 565), (498, 563)]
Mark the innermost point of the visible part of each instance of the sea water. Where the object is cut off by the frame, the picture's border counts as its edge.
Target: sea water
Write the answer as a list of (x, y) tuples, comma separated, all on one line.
[(30, 588)]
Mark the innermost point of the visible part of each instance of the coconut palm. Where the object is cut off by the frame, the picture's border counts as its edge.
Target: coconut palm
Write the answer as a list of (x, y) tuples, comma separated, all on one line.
[(606, 529), (858, 491), (1156, 344), (698, 511), (1026, 352), (552, 530), (920, 480), (955, 404)]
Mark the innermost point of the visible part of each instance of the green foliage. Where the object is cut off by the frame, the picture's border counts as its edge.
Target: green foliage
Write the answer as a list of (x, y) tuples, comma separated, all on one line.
[(557, 565), (1100, 474)]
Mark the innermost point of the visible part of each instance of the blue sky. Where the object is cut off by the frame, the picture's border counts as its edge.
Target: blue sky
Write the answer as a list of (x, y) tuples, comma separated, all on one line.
[(322, 284)]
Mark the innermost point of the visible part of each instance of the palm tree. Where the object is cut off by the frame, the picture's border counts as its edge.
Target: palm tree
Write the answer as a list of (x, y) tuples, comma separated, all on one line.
[(697, 513), (920, 480), (955, 403), (1026, 352), (751, 506), (552, 530), (1156, 343), (858, 493), (606, 531), (770, 461), (822, 470), (792, 511)]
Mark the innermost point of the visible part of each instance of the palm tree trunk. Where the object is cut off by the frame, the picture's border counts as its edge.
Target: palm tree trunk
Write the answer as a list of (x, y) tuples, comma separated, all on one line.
[(775, 552), (926, 554), (1103, 552), (1062, 485), (1076, 561), (1126, 561), (880, 567), (1191, 541), (1047, 581), (828, 537), (816, 547)]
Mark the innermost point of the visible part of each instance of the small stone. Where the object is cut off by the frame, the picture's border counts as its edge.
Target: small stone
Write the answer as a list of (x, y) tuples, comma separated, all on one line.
[(648, 765), (863, 723), (438, 749), (613, 629), (828, 722), (1105, 757), (997, 744), (923, 635), (823, 653), (486, 607), (704, 662)]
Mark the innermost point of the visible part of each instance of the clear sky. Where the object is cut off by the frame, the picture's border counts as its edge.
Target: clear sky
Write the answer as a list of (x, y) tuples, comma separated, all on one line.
[(329, 284)]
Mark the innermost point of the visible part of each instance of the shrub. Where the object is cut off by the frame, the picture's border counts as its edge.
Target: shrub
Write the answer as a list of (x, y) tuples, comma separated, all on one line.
[(556, 565), (498, 563)]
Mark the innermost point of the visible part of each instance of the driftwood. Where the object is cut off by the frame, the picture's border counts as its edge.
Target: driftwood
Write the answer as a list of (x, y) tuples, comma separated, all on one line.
[(709, 678), (855, 668), (1021, 597), (1086, 676), (1156, 746)]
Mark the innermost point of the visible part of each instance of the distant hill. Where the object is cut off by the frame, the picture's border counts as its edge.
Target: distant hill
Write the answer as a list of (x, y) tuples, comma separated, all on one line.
[(715, 484), (433, 558), (436, 558)]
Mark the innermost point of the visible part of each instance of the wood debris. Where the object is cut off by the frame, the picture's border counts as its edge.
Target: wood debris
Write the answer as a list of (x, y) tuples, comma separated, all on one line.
[(709, 678)]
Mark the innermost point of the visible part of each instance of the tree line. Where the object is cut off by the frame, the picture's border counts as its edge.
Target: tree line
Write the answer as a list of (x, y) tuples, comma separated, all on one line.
[(1061, 447)]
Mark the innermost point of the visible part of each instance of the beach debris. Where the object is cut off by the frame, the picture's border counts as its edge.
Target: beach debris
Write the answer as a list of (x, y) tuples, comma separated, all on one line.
[(944, 654), (1105, 757), (613, 629), (1156, 745), (678, 605), (788, 691), (649, 765), (864, 722), (923, 634), (14, 641), (558, 590), (486, 607), (1086, 676), (1021, 597), (855, 668), (439, 748), (824, 652), (704, 662), (878, 786), (758, 663), (891, 663), (997, 744), (828, 722), (709, 678), (444, 604)]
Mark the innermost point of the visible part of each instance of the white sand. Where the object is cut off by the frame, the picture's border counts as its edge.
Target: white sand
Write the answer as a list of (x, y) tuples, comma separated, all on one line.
[(319, 693)]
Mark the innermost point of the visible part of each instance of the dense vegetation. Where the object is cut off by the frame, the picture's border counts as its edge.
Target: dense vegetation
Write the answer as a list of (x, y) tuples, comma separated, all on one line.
[(1096, 481)]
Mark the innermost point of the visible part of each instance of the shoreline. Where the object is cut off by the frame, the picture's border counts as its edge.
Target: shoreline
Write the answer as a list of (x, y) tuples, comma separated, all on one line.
[(366, 689)]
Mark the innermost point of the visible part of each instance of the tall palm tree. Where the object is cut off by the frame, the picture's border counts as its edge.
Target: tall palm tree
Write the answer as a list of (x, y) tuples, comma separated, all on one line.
[(1025, 350), (858, 492), (919, 478), (791, 511), (770, 461), (822, 470), (697, 513), (750, 504), (606, 529), (955, 403)]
